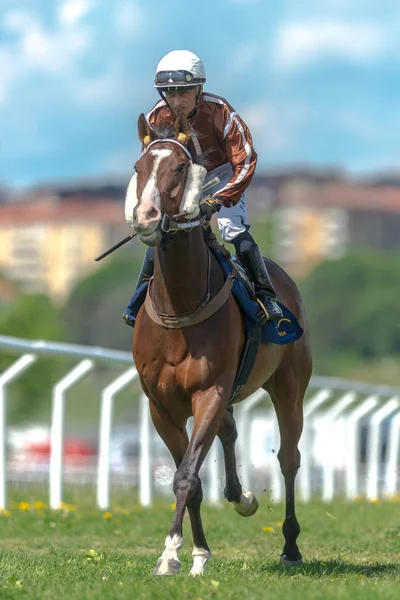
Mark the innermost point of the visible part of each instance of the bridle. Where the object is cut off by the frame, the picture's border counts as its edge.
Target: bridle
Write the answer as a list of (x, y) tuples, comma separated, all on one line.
[(169, 226)]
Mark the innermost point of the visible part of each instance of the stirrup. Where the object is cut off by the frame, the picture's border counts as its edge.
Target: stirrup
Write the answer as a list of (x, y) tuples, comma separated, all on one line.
[(265, 318)]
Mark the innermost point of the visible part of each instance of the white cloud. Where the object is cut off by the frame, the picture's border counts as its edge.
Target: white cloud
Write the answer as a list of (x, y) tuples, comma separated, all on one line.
[(37, 50), (128, 18), (303, 42), (72, 11), (275, 127), (18, 21)]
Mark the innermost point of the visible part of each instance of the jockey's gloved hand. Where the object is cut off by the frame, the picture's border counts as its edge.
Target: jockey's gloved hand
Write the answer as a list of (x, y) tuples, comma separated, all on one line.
[(209, 206)]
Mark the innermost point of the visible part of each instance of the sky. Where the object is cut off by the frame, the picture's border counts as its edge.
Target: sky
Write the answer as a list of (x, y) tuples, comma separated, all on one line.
[(317, 81)]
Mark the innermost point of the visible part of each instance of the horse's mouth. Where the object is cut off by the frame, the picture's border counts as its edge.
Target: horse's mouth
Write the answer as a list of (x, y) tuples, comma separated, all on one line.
[(151, 239)]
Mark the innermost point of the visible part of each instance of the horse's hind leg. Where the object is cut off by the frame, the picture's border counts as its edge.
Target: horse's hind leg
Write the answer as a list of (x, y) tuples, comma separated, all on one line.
[(245, 503), (287, 395)]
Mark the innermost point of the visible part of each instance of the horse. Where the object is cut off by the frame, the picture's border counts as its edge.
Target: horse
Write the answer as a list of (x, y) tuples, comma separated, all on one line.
[(187, 362)]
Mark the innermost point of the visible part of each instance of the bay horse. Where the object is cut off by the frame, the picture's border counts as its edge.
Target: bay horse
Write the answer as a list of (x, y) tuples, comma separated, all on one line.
[(187, 367)]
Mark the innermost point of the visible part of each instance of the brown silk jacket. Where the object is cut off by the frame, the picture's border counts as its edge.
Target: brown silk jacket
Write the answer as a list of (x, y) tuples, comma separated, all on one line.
[(217, 128)]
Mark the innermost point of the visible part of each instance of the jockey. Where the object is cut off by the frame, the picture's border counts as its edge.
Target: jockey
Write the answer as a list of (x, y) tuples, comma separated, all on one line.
[(215, 126)]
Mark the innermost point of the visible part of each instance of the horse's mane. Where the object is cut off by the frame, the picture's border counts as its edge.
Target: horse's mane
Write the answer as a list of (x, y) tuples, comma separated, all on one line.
[(163, 132)]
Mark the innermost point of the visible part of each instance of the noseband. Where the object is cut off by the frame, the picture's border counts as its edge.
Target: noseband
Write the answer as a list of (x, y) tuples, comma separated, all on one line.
[(169, 226)]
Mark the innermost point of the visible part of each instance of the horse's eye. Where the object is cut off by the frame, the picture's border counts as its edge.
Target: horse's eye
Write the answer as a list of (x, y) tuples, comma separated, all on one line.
[(181, 168)]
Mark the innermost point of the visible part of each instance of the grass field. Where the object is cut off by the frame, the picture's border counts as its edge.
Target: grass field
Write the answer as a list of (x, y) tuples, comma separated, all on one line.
[(350, 551)]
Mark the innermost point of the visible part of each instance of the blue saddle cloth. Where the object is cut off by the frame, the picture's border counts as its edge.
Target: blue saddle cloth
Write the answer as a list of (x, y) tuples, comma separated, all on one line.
[(283, 331)]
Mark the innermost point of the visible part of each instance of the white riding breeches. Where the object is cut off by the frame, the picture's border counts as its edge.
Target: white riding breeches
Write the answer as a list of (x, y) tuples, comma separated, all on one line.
[(231, 221)]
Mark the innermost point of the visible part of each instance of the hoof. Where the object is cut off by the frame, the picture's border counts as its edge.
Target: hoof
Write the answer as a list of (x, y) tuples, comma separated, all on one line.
[(197, 571), (247, 506), (167, 567), (285, 562), (200, 557)]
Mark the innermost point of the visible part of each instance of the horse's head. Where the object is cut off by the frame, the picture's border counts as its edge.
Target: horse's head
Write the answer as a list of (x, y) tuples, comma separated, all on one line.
[(166, 182)]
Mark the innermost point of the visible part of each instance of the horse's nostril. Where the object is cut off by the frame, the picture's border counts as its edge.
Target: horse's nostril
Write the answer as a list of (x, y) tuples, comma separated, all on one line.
[(152, 213)]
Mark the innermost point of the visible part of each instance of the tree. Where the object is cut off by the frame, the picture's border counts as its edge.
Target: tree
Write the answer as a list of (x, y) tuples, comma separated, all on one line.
[(32, 317), (353, 306), (94, 311)]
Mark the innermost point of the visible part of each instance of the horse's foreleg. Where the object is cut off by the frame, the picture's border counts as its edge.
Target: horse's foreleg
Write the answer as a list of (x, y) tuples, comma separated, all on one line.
[(290, 419), (245, 503), (176, 439), (208, 407)]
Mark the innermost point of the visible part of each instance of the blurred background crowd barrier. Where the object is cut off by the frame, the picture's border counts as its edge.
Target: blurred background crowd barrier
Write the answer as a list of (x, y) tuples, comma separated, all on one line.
[(361, 423)]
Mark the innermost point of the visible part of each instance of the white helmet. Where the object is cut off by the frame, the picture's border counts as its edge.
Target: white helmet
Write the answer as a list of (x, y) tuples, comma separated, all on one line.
[(178, 69)]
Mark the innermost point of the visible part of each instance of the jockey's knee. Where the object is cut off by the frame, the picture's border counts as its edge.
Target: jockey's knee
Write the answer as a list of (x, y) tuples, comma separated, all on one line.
[(231, 232), (243, 242)]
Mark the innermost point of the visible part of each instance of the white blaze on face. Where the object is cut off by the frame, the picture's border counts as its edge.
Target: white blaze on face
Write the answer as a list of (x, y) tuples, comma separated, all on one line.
[(151, 195)]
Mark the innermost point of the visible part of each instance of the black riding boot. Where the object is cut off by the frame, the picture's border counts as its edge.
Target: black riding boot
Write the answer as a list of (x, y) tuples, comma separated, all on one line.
[(254, 265), (146, 272)]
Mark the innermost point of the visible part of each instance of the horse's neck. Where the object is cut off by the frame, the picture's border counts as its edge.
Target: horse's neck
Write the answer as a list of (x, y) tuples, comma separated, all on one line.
[(181, 274)]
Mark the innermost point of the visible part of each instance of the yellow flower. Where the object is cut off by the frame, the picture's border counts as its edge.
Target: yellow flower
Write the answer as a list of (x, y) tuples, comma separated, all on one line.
[(122, 511), (67, 507), (323, 563), (39, 505), (107, 515), (93, 555), (269, 529), (5, 513), (279, 523), (173, 506), (374, 500), (24, 506)]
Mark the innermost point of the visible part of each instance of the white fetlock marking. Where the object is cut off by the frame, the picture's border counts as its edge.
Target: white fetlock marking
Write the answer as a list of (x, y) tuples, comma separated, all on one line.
[(172, 545), (200, 557)]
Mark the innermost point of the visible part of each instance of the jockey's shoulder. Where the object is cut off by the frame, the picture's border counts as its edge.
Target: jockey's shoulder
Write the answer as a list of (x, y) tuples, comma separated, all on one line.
[(157, 108), (209, 98)]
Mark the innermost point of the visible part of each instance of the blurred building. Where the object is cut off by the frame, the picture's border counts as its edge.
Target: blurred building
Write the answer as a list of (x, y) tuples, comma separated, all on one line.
[(318, 221), (47, 244), (50, 235)]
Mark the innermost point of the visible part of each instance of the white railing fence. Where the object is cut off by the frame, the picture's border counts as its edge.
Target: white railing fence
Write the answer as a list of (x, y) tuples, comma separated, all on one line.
[(349, 446)]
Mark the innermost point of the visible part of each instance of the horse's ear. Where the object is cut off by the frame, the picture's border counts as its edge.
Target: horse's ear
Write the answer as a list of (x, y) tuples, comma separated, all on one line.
[(182, 129), (144, 131)]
